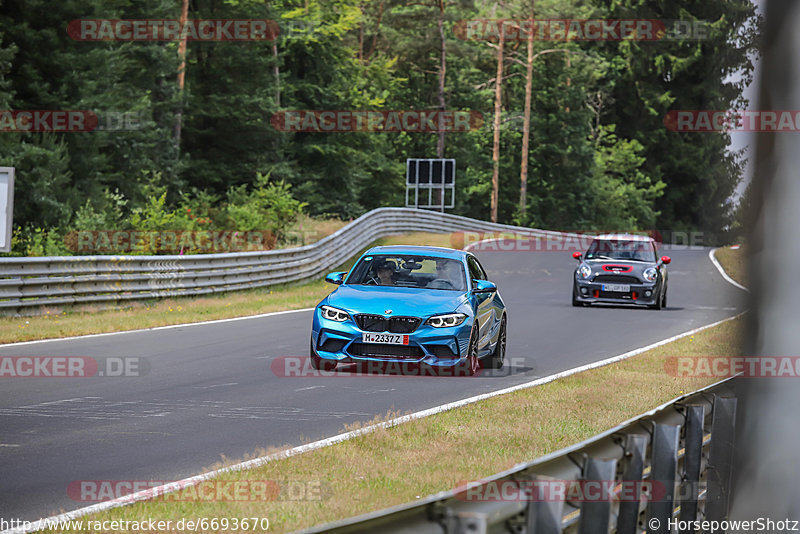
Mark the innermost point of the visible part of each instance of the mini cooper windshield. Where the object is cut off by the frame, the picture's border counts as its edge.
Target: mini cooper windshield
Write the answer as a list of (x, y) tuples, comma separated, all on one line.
[(409, 271), (621, 249)]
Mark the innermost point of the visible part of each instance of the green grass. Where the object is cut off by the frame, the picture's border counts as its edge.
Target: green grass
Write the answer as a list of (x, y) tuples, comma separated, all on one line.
[(396, 465), (734, 261)]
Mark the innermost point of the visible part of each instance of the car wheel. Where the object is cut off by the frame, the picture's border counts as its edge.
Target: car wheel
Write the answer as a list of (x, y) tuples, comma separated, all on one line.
[(497, 358), (471, 365), (575, 301), (321, 364), (661, 302)]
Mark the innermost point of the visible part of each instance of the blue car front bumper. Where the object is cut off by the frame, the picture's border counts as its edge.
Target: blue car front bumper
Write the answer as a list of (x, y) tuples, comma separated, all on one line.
[(438, 347)]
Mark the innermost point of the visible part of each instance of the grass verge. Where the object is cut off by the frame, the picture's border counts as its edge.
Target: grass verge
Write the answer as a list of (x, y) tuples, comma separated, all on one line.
[(81, 320), (400, 464), (734, 261)]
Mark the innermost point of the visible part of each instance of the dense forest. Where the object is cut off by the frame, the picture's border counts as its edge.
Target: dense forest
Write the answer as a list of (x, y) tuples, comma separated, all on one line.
[(186, 136)]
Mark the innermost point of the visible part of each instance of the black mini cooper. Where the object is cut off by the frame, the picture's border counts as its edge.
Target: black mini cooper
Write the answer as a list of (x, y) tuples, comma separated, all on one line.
[(621, 269)]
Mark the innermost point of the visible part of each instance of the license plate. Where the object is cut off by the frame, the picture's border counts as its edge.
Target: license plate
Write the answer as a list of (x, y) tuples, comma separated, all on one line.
[(616, 288), (385, 339)]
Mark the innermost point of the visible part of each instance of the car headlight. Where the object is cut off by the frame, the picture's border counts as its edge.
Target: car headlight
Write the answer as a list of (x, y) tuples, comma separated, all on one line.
[(650, 274), (334, 314), (448, 319), (584, 271)]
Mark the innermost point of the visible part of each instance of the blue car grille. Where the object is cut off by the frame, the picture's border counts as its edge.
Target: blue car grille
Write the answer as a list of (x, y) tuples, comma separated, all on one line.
[(376, 350), (379, 323)]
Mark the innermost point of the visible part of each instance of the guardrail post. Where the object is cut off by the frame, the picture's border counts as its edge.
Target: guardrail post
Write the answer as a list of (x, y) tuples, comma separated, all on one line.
[(720, 458), (635, 450), (663, 467), (596, 512), (468, 522), (692, 458), (544, 515)]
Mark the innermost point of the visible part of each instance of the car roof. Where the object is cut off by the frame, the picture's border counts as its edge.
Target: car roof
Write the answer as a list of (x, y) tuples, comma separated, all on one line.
[(438, 252), (624, 237)]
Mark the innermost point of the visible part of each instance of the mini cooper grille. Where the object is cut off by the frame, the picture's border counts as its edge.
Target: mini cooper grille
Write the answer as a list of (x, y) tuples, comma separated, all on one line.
[(379, 323), (616, 279), (376, 350)]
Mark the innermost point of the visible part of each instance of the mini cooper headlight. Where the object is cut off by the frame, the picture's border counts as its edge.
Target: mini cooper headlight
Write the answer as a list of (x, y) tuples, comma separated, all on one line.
[(334, 314), (584, 271), (650, 274), (449, 319)]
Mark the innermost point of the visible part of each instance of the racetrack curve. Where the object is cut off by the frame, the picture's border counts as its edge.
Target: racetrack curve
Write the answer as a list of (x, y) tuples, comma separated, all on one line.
[(211, 390)]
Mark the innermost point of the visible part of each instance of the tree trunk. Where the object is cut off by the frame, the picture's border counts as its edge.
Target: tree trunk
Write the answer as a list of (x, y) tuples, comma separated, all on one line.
[(569, 80), (377, 31), (442, 71), (498, 106), (361, 37), (276, 70), (442, 102), (181, 75), (526, 126)]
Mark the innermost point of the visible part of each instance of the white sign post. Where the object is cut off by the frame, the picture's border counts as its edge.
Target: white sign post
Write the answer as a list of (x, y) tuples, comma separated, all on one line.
[(6, 207)]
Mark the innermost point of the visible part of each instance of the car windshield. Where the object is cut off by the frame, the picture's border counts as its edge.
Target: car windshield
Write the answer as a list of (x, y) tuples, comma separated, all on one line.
[(421, 272), (620, 249)]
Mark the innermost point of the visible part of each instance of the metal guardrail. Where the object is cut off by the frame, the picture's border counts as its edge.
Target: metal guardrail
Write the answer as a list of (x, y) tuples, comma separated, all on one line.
[(684, 447), (66, 280)]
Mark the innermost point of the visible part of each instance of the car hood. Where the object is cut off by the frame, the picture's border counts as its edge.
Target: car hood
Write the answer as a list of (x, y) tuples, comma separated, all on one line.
[(629, 268), (401, 300)]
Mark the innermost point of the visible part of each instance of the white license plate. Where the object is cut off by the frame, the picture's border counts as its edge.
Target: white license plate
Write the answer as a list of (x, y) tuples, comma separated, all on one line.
[(616, 288), (385, 339)]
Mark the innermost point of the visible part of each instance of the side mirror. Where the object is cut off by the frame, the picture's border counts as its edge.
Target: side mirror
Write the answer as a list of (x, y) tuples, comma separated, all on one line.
[(666, 260), (484, 286), (335, 278), (577, 255)]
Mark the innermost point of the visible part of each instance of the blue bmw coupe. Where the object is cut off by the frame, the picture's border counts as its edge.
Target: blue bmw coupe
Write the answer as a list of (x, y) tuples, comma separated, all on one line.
[(427, 305)]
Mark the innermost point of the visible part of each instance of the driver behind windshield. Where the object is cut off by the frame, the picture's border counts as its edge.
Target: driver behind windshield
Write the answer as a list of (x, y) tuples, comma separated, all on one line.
[(447, 275), (620, 250), (385, 272)]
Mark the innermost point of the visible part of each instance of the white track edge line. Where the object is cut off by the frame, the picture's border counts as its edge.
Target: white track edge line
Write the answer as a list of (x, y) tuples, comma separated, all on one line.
[(256, 462), (154, 328), (712, 256)]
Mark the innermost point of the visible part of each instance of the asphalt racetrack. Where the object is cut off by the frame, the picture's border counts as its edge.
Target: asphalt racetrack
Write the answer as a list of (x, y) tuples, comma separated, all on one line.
[(219, 389)]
